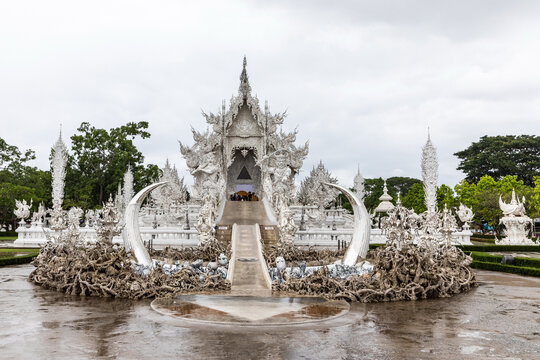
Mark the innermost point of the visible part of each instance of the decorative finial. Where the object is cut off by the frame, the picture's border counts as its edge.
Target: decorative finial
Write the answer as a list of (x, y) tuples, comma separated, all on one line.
[(245, 88)]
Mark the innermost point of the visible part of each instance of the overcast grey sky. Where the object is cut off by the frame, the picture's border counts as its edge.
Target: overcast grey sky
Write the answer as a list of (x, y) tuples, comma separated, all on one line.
[(362, 80)]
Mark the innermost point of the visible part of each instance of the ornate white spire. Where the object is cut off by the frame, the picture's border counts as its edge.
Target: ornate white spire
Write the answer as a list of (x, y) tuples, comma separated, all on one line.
[(245, 88), (358, 185), (385, 205), (128, 186), (430, 174), (58, 171)]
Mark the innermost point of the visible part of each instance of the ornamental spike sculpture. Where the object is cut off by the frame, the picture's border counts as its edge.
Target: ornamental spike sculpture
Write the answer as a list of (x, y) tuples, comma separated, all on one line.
[(358, 186), (58, 170), (128, 186), (244, 88), (430, 173)]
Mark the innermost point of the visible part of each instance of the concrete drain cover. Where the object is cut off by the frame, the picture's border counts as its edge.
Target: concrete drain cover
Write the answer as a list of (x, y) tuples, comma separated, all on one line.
[(247, 259)]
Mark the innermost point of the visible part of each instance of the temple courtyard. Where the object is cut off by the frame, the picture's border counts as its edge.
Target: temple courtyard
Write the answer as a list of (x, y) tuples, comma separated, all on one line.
[(498, 320)]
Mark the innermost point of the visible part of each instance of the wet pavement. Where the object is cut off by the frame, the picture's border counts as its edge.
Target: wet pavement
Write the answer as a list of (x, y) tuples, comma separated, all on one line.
[(499, 320)]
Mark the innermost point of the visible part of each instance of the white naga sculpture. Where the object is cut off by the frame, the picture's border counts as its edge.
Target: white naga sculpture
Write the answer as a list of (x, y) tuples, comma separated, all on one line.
[(359, 245), (515, 221)]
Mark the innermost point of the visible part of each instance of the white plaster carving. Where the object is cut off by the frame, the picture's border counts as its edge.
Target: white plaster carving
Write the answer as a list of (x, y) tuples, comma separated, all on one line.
[(22, 210), (430, 174), (358, 185), (58, 171), (517, 224), (466, 215), (108, 222), (128, 190)]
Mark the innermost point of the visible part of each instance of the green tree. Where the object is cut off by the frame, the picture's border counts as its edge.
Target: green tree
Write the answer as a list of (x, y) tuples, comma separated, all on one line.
[(11, 157), (401, 184), (445, 196), (498, 156), (535, 199), (99, 160), (466, 193), (19, 181), (487, 201), (415, 198), (373, 190), (395, 185)]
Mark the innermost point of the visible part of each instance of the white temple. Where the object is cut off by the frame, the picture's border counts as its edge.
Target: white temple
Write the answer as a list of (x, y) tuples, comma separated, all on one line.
[(244, 154)]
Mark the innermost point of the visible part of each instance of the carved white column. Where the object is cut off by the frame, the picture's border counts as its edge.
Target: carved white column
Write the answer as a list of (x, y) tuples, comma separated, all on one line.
[(128, 186), (58, 171), (430, 174)]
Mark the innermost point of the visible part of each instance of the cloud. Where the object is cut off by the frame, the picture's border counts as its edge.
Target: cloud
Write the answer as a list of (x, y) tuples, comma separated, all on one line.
[(362, 80)]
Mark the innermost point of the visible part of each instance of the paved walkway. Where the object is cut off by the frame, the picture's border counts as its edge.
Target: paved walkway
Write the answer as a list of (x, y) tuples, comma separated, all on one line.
[(248, 276), (244, 213)]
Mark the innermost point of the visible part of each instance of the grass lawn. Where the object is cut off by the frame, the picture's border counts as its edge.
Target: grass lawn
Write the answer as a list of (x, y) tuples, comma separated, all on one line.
[(17, 258), (19, 250), (8, 238)]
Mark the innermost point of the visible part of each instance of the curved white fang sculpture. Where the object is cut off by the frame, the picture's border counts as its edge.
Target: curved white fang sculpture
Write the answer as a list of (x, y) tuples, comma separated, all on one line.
[(359, 245), (133, 240)]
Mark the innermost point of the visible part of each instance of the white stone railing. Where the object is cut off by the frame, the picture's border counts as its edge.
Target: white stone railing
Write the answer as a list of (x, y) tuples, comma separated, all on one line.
[(330, 238), (178, 237), (171, 236)]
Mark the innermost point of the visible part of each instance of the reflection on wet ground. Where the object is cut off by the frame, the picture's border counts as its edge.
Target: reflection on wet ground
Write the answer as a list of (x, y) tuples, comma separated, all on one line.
[(499, 320), (249, 310)]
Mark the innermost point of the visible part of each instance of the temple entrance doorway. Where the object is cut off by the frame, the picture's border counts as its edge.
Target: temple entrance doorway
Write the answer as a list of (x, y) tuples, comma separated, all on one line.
[(243, 176)]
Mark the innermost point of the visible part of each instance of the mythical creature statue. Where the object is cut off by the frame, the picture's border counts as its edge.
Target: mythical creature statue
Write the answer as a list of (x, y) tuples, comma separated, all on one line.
[(448, 226), (517, 224), (39, 215), (206, 220), (108, 222), (287, 228), (400, 226), (514, 208), (91, 217), (74, 216), (58, 218), (23, 209), (465, 215)]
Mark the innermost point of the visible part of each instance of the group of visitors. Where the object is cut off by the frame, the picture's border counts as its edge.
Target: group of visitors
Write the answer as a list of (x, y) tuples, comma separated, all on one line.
[(244, 196)]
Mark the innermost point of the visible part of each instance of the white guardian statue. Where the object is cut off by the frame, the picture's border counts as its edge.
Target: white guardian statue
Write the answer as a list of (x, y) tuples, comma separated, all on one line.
[(517, 224)]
